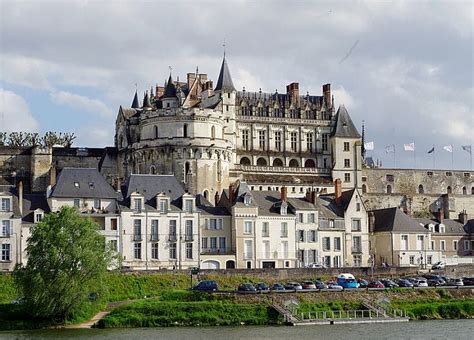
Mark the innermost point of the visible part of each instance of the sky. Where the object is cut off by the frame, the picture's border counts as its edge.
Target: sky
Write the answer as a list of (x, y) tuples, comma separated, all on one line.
[(403, 67)]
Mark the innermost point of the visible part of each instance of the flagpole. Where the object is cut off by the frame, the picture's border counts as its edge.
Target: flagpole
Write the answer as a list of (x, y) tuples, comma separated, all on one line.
[(434, 158), (394, 159)]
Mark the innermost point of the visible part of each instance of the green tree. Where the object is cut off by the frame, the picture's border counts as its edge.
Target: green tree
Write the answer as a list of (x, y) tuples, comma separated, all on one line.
[(67, 261)]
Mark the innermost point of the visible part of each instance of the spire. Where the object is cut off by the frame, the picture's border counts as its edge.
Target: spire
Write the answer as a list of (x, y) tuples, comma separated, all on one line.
[(344, 126), (224, 83), (135, 104), (146, 102), (170, 90)]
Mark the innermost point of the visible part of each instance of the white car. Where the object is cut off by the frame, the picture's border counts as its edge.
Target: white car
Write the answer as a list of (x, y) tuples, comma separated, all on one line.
[(316, 265), (422, 282), (438, 265)]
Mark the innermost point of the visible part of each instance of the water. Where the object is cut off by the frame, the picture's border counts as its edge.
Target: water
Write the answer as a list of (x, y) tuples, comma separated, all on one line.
[(446, 329)]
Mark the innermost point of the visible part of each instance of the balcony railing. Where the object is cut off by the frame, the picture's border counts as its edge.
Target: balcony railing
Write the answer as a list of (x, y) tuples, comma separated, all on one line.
[(188, 238), (5, 234), (248, 256), (356, 250), (137, 237), (154, 237), (172, 238), (217, 251), (282, 169)]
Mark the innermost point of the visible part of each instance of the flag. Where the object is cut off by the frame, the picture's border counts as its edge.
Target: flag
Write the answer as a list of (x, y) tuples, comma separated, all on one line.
[(431, 150), (467, 148), (409, 147), (369, 146), (448, 148), (390, 149)]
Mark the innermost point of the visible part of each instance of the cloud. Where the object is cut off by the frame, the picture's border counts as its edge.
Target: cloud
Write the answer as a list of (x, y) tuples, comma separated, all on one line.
[(29, 72), (15, 114), (95, 136), (343, 97), (81, 103)]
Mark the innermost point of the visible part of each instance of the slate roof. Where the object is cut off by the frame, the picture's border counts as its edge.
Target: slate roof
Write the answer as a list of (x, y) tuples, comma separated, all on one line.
[(395, 220), (328, 202), (31, 202), (90, 184), (344, 125), (135, 103), (451, 226), (208, 209), (224, 82), (301, 204), (146, 101), (170, 90), (268, 203), (152, 185)]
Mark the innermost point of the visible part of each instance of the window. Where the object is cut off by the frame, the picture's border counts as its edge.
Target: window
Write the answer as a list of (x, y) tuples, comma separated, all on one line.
[(356, 225), (346, 146), (6, 228), (449, 173), (137, 205), (421, 190), (450, 190), (97, 203), (432, 245), (347, 163), (137, 250), (113, 224), (357, 206), (265, 229), (429, 173), (6, 204), (185, 130), (113, 245), (324, 141), (5, 252), (420, 242), (412, 259), (309, 141), (155, 130), (404, 242), (455, 245), (245, 139), (248, 249), (284, 229), (189, 230), (389, 189), (300, 217), (467, 175), (464, 190), (429, 259), (189, 206), (337, 261), (466, 245), (300, 235), (311, 218), (356, 244), (189, 250), (390, 178), (204, 242), (163, 206), (357, 260), (172, 230), (266, 249), (213, 132), (442, 245), (222, 243), (293, 141), (137, 230), (278, 140), (313, 237), (154, 251), (327, 261), (326, 243), (173, 251), (213, 242), (247, 227), (284, 249), (347, 177), (154, 230), (77, 203), (38, 217), (261, 139), (337, 244)]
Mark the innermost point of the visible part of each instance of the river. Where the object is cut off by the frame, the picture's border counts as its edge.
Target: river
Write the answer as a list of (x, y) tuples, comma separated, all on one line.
[(445, 329)]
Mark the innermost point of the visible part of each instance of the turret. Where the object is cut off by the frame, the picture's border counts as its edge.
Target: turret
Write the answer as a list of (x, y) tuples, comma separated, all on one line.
[(135, 103)]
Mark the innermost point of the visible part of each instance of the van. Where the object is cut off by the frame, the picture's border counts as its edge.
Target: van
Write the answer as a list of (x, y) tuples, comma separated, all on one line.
[(347, 281)]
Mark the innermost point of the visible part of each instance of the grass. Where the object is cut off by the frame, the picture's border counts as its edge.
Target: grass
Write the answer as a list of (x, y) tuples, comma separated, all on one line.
[(437, 309), (156, 313), (8, 290)]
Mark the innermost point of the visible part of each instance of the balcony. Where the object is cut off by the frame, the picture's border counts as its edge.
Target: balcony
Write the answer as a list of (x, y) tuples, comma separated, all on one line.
[(5, 234), (217, 251), (172, 238), (188, 238), (154, 237), (137, 237), (282, 169), (356, 250)]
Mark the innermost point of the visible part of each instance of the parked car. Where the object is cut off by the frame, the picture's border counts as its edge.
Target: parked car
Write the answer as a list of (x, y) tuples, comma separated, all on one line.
[(389, 283), (277, 286), (422, 282), (347, 280), (456, 282), (262, 287), (438, 265), (363, 283), (404, 283), (468, 281), (293, 286), (334, 285), (435, 277), (206, 286), (246, 287), (308, 285), (320, 285), (316, 265), (375, 284), (434, 283)]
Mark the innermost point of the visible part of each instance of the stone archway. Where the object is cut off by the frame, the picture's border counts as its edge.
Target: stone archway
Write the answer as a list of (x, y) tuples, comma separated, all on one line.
[(309, 163), (277, 162), (245, 161), (294, 163), (261, 161), (230, 264)]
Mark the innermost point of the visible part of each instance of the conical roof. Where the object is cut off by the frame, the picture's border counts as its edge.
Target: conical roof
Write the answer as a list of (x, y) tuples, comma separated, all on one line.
[(225, 80), (146, 102), (135, 103), (344, 125), (170, 91)]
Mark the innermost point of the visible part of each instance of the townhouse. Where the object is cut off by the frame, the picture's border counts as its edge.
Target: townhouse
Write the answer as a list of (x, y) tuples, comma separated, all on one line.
[(10, 223)]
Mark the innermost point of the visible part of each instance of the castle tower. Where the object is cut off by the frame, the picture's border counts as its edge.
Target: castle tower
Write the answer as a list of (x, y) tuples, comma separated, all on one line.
[(41, 163), (346, 151)]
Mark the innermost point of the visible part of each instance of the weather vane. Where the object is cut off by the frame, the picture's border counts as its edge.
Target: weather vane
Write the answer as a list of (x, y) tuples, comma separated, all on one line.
[(223, 45)]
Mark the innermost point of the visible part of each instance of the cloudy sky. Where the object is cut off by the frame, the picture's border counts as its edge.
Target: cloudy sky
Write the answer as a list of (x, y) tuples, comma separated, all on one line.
[(404, 67)]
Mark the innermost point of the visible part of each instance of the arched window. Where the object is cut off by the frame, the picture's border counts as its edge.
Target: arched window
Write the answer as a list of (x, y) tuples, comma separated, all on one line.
[(464, 190), (364, 188), (450, 190), (294, 163), (421, 190), (213, 132), (277, 162), (187, 171), (152, 170), (261, 161), (185, 130), (244, 161), (155, 131), (309, 164), (472, 191), (389, 189), (206, 194)]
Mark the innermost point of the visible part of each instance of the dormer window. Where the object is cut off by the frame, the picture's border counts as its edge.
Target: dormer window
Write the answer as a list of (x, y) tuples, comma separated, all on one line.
[(247, 200), (188, 206), (76, 185), (5, 204), (137, 204), (283, 208), (97, 203), (163, 206), (91, 185), (38, 216)]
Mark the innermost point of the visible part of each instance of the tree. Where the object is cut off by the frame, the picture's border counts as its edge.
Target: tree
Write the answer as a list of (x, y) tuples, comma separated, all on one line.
[(67, 261)]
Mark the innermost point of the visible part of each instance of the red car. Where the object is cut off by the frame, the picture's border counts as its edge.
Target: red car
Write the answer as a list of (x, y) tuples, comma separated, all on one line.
[(375, 284)]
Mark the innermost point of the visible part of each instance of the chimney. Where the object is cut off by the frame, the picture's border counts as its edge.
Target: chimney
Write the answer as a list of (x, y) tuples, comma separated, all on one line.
[(371, 221), (20, 197), (440, 215), (284, 194), (231, 194), (52, 176), (314, 196), (216, 199), (293, 90), (190, 79), (160, 91), (463, 217), (209, 85), (327, 95), (118, 185), (338, 191), (308, 196)]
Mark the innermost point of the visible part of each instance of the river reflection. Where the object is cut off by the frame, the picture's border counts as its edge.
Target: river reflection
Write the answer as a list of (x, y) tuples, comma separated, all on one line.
[(446, 329)]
